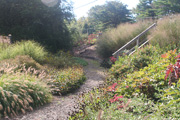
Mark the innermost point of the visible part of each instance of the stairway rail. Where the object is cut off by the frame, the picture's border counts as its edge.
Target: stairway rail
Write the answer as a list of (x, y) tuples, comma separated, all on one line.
[(136, 39)]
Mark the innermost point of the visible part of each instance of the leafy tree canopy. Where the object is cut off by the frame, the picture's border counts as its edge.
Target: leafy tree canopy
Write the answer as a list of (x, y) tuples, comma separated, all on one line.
[(110, 14), (31, 19)]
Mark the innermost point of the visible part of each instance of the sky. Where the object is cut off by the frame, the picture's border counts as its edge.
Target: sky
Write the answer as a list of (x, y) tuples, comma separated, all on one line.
[(81, 7)]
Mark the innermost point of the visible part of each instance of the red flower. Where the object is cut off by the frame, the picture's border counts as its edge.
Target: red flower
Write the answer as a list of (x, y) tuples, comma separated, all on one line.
[(115, 98), (112, 88), (127, 86), (113, 59)]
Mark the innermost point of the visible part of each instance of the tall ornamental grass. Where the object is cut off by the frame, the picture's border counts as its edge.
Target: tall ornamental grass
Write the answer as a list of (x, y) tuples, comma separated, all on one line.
[(30, 48), (167, 33), (21, 90), (115, 38)]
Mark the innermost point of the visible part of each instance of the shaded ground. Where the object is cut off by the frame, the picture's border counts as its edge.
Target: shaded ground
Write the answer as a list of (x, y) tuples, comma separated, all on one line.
[(63, 106)]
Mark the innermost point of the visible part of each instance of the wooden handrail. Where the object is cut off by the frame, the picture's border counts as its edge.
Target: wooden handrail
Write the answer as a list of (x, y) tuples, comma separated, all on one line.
[(137, 37), (141, 45)]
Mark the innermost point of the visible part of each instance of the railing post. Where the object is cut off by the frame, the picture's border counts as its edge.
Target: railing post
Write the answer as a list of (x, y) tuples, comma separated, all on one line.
[(137, 42), (117, 56), (10, 37)]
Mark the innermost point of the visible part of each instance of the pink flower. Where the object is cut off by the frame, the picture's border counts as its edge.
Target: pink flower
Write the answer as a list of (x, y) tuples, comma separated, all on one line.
[(127, 86)]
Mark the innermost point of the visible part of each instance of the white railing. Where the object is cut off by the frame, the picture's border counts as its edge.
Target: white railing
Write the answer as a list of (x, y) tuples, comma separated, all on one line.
[(136, 39)]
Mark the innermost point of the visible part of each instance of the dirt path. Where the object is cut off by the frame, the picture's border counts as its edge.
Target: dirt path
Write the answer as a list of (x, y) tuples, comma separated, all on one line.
[(62, 106), (87, 51)]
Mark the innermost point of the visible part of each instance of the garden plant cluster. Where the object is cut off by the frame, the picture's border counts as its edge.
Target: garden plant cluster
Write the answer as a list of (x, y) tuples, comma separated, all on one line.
[(30, 76), (142, 86)]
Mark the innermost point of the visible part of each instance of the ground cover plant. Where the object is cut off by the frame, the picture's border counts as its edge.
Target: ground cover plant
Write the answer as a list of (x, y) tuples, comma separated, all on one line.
[(151, 92), (66, 80)]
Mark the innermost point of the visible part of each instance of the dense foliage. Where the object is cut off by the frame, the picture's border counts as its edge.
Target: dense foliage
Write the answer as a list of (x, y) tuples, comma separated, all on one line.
[(154, 8), (135, 62), (30, 48), (145, 8), (26, 20), (151, 92), (110, 14), (29, 75)]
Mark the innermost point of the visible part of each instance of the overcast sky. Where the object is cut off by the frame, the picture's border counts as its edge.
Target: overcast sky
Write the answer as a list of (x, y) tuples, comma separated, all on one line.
[(81, 7)]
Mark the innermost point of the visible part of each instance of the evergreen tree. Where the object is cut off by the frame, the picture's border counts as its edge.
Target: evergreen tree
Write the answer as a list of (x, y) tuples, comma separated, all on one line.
[(145, 8), (166, 7)]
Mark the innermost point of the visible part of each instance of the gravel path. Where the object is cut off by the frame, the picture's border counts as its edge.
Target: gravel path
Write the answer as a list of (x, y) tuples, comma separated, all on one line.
[(62, 106)]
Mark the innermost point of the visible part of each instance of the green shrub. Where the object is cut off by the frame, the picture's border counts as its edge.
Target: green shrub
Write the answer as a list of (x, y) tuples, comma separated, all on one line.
[(63, 59), (112, 40), (66, 80), (33, 54), (136, 61), (150, 80), (29, 48), (59, 60), (167, 33)]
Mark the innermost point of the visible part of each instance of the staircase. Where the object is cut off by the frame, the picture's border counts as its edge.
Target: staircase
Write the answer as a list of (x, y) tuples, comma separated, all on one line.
[(134, 40)]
